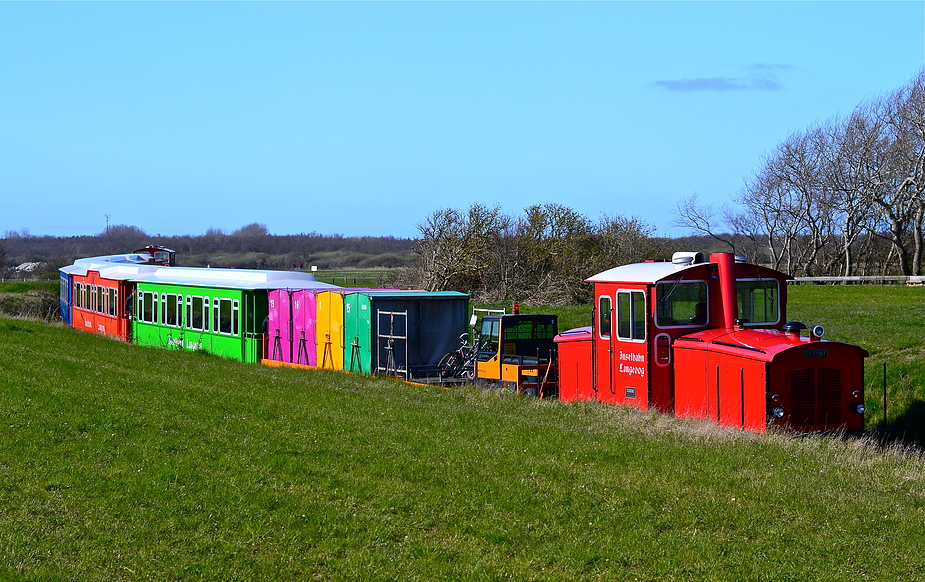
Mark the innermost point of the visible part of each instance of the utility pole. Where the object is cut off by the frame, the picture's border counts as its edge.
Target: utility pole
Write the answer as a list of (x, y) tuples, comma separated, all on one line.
[(107, 223)]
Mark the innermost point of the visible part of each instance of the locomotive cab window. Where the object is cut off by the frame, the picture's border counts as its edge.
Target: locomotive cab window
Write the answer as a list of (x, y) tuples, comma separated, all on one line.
[(681, 303), (489, 337), (604, 311), (759, 301), (631, 315)]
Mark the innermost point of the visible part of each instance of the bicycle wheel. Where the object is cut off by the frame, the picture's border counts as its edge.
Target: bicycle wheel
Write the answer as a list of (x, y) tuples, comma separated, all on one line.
[(449, 364)]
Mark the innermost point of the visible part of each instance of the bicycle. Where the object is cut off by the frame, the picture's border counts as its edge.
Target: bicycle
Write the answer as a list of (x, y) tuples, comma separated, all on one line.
[(460, 363)]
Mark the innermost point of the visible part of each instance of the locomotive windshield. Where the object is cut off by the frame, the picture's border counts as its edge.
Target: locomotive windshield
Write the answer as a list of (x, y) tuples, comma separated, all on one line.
[(758, 301), (681, 303), (489, 337)]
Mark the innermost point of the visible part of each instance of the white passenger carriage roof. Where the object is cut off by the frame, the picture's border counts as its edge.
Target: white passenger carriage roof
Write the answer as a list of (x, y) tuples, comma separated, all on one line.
[(234, 278), (116, 265)]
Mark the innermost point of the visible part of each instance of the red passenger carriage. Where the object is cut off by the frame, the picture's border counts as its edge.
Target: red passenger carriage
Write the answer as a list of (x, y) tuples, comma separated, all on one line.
[(101, 293)]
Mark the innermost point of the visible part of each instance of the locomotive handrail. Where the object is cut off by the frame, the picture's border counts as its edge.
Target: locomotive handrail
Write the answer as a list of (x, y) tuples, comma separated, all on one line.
[(740, 346)]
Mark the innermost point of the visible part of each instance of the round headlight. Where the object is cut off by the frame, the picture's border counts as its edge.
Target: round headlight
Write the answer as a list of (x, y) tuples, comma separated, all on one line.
[(817, 331), (859, 408), (777, 412)]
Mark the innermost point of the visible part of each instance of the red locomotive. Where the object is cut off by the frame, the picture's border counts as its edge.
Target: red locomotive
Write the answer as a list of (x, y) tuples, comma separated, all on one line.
[(710, 339)]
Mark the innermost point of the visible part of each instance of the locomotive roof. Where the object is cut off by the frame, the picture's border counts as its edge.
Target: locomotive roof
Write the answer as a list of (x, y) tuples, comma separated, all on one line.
[(233, 278), (641, 272)]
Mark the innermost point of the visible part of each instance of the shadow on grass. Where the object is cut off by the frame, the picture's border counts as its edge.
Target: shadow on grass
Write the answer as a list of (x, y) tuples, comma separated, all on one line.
[(909, 427)]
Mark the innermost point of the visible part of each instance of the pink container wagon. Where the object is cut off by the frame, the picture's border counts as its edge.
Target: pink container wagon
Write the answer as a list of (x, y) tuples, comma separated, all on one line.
[(292, 323)]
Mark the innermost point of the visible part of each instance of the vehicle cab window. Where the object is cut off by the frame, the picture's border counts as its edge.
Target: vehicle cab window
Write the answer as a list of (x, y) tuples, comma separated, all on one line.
[(489, 337), (681, 303), (759, 301)]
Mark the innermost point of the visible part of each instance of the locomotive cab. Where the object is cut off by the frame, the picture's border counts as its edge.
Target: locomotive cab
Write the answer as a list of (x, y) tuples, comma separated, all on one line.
[(707, 339), (517, 352), (159, 255)]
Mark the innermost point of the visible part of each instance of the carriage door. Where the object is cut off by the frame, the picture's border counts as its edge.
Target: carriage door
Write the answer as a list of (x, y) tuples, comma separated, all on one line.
[(630, 361)]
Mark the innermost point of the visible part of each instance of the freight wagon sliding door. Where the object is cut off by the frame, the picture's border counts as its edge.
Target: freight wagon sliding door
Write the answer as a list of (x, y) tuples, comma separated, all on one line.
[(304, 312), (279, 326), (392, 343), (358, 333), (329, 330)]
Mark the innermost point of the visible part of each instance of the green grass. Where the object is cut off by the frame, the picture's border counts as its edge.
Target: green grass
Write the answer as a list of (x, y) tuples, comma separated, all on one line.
[(26, 286), (125, 463)]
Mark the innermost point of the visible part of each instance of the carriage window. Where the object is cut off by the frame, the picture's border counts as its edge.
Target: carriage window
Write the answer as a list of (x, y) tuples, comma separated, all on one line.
[(604, 311), (758, 300), (631, 315), (196, 312), (226, 316), (100, 299), (113, 301), (681, 303), (171, 308), (147, 309)]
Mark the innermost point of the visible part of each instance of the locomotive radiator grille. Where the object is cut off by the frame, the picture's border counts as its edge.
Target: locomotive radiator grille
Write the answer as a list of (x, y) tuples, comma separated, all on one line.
[(815, 397)]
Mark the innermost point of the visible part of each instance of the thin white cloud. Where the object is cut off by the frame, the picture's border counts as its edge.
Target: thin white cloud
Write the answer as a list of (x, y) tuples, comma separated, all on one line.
[(760, 77)]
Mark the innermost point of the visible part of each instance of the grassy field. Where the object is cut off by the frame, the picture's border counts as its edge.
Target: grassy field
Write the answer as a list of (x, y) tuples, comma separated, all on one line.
[(374, 278), (127, 463)]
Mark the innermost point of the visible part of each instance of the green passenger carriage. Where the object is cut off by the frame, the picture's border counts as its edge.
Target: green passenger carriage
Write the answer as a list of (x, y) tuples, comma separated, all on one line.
[(220, 311)]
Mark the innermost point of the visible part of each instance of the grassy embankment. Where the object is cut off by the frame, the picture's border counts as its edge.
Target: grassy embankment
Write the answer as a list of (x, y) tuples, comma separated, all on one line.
[(120, 462)]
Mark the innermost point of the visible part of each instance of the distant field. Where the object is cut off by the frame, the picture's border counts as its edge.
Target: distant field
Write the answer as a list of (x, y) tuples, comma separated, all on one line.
[(125, 463), (375, 278)]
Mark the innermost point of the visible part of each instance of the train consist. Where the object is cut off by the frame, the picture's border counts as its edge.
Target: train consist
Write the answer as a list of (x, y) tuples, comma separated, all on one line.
[(252, 315), (702, 338)]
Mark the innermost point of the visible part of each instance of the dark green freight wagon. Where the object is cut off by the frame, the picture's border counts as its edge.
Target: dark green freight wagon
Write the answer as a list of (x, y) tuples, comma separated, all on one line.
[(401, 333), (220, 311)]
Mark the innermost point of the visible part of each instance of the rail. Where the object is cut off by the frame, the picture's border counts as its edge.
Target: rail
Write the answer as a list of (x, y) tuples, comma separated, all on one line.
[(862, 280)]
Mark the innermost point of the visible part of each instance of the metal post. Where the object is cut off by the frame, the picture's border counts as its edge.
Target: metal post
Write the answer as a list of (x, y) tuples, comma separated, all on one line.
[(884, 395)]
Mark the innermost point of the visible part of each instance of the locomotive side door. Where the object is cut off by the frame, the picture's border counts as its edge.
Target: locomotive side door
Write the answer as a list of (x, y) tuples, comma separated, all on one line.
[(604, 346), (630, 361)]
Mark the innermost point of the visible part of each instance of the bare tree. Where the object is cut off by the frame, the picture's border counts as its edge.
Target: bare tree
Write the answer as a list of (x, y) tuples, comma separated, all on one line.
[(700, 218)]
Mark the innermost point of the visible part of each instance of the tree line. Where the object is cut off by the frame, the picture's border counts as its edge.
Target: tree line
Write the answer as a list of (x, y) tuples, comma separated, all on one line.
[(251, 246), (844, 197), (540, 257)]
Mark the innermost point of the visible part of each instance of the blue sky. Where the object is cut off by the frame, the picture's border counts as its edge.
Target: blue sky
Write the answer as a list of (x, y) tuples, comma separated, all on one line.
[(363, 118)]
